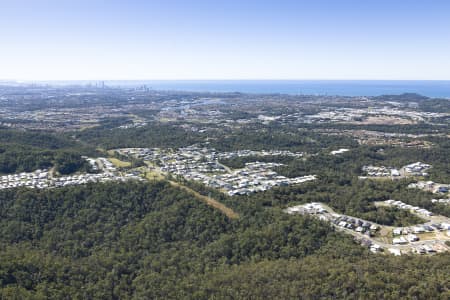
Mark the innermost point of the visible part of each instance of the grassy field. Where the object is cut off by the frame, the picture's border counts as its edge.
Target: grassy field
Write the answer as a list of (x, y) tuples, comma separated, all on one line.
[(119, 163), (153, 175), (426, 236)]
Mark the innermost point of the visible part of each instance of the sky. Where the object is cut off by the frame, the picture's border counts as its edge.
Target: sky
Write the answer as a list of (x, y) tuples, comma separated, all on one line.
[(228, 39)]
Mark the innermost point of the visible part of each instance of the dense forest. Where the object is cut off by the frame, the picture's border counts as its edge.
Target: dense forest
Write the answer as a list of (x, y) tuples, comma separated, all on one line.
[(154, 135), (152, 240), (255, 137), (26, 151)]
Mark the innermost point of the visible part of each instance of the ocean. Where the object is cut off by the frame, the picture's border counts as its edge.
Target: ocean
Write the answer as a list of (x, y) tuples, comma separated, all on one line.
[(430, 88)]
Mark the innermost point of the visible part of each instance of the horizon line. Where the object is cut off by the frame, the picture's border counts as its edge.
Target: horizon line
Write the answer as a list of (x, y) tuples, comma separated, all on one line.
[(219, 79)]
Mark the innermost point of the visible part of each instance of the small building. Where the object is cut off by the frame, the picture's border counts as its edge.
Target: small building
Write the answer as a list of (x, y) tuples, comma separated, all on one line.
[(374, 248), (394, 251), (397, 231), (399, 241), (412, 238), (418, 229)]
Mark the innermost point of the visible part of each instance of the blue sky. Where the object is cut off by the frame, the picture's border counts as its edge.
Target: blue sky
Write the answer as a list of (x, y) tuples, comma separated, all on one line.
[(174, 39)]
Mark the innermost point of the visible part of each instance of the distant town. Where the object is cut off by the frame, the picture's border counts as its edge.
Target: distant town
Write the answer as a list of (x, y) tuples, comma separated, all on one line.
[(245, 146)]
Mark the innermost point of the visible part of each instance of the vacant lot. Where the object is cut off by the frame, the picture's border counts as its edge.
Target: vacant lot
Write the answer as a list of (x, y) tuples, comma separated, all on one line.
[(119, 163)]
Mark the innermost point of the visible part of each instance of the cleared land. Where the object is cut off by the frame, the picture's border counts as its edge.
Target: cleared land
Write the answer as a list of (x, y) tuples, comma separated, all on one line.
[(208, 200), (156, 175), (153, 175), (119, 163), (384, 235)]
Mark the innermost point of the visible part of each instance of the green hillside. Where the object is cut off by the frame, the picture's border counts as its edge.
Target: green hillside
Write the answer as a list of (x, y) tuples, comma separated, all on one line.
[(153, 240)]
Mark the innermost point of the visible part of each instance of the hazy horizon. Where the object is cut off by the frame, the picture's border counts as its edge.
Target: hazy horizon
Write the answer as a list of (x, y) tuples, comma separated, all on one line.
[(232, 40), (430, 88)]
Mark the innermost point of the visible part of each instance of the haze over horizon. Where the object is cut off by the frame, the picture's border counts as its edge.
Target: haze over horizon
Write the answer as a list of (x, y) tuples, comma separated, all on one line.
[(189, 40)]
